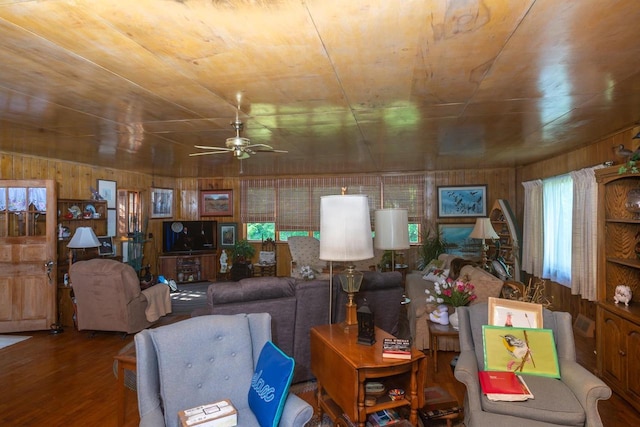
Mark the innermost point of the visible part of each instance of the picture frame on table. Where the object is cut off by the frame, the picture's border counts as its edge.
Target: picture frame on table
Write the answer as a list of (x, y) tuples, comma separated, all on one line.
[(161, 202), (505, 312), (227, 232), (216, 203), (457, 241), (108, 191), (462, 201), (106, 247)]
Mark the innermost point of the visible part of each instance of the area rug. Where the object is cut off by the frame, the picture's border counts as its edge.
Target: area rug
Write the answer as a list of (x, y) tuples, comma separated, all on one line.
[(7, 340), (189, 297)]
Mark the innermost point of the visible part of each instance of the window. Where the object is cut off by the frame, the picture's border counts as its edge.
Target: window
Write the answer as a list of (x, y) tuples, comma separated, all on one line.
[(291, 206), (557, 218)]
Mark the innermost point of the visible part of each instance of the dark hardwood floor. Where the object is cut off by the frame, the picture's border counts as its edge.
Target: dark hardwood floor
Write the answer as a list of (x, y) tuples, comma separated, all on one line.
[(67, 379)]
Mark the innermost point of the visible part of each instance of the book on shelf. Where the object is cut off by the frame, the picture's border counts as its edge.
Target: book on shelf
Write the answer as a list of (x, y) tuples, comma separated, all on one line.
[(504, 386), (425, 413), (396, 348), (386, 417), (217, 414)]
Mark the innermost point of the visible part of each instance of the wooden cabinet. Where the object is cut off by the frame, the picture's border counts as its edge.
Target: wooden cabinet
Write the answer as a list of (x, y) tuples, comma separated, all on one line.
[(619, 350), (73, 213), (618, 326), (189, 268), (504, 223)]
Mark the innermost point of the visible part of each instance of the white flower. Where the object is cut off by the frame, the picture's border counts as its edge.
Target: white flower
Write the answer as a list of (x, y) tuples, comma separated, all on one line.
[(439, 300), (307, 272)]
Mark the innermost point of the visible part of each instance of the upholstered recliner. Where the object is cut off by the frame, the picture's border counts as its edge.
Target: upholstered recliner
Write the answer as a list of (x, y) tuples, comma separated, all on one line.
[(569, 401), (108, 297), (202, 360)]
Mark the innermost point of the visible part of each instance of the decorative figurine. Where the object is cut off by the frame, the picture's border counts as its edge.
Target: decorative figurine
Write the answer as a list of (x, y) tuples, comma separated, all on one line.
[(623, 294), (223, 261), (366, 325)]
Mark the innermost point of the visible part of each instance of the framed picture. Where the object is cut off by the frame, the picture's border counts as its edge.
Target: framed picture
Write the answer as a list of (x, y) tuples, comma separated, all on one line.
[(457, 241), (161, 203), (464, 201), (504, 312), (520, 350), (106, 247), (227, 232), (216, 203), (112, 219), (107, 190)]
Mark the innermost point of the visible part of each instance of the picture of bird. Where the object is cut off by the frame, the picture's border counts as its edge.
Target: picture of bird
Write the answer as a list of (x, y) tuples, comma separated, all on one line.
[(518, 349)]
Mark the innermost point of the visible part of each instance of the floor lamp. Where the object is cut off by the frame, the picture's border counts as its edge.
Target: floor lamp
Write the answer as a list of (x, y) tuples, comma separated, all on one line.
[(484, 230), (345, 235), (392, 232)]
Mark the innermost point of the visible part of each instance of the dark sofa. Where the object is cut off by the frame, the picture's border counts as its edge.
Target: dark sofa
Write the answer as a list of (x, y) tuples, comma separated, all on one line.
[(296, 306)]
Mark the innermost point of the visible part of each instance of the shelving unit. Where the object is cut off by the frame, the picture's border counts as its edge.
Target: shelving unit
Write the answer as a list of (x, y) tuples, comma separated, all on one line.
[(189, 267), (618, 326), (69, 220), (504, 223)]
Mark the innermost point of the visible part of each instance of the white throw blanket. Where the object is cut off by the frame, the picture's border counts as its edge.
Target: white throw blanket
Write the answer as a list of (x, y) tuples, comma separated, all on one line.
[(158, 302)]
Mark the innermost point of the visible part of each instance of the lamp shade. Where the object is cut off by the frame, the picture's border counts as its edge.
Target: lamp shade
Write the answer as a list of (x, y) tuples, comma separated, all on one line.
[(392, 229), (84, 237), (345, 228), (483, 230)]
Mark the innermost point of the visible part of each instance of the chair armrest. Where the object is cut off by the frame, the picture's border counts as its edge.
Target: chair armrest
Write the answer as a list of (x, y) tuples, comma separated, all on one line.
[(467, 373), (587, 388), (296, 412)]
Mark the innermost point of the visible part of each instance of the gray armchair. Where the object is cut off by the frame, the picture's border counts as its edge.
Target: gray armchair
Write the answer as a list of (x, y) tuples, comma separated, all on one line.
[(570, 401), (202, 360)]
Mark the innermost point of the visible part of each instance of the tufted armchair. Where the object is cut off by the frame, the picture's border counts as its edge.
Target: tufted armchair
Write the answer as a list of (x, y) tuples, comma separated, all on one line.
[(202, 360), (305, 251), (569, 401)]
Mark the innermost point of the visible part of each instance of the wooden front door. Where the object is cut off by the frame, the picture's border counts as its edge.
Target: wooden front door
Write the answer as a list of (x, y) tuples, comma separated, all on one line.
[(27, 255)]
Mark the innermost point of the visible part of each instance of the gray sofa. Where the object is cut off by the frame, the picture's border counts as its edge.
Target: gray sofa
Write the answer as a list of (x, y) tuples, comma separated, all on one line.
[(296, 306)]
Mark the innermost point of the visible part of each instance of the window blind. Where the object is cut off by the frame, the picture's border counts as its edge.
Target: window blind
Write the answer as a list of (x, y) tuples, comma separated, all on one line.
[(407, 192)]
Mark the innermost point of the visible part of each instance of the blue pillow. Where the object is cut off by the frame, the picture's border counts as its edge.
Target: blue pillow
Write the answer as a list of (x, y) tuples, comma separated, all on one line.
[(270, 385)]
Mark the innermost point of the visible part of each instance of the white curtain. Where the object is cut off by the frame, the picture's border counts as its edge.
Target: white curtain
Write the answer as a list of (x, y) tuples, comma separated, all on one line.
[(584, 249), (532, 228), (557, 206)]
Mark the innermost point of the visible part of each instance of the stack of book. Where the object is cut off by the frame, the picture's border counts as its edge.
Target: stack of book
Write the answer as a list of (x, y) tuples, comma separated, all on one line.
[(218, 414), (504, 386), (396, 348)]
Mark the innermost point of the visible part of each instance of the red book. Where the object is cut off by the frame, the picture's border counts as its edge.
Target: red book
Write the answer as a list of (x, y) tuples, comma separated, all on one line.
[(504, 386)]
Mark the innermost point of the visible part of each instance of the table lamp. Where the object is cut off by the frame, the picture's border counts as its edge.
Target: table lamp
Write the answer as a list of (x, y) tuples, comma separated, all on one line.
[(83, 238), (345, 235), (484, 230), (392, 231)]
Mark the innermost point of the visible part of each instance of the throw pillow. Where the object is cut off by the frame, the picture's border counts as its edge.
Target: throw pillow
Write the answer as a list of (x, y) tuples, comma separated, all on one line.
[(270, 385), (438, 275), (433, 264)]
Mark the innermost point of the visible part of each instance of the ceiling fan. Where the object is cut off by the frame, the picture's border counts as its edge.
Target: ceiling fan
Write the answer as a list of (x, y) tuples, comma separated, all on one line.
[(241, 147)]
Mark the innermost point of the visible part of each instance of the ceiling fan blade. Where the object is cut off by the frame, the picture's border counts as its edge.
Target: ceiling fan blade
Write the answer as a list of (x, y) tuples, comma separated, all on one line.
[(206, 153), (272, 151), (264, 146), (206, 147)]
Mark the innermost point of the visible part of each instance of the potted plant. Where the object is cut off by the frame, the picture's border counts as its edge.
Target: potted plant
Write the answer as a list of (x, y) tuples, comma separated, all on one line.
[(432, 246), (242, 251)]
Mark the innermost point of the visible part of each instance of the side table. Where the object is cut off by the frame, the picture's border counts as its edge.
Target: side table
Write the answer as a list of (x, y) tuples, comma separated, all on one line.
[(342, 367), (436, 330), (126, 361)]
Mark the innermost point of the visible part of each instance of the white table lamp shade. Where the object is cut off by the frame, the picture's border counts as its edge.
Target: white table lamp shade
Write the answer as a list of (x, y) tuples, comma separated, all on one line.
[(84, 237), (392, 229), (483, 230), (345, 228)]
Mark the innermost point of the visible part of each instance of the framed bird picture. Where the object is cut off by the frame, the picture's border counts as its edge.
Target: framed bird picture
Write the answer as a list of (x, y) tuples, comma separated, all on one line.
[(506, 312), (520, 350)]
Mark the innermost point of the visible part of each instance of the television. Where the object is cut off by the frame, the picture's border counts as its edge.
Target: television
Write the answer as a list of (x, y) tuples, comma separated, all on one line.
[(189, 236)]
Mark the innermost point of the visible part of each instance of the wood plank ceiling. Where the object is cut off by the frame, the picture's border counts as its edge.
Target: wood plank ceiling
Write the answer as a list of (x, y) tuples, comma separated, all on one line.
[(345, 86)]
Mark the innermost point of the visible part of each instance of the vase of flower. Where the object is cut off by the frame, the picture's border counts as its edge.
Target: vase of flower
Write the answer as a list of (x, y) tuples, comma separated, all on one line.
[(453, 318)]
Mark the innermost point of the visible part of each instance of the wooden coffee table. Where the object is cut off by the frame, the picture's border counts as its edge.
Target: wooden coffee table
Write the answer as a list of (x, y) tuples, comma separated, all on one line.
[(342, 366)]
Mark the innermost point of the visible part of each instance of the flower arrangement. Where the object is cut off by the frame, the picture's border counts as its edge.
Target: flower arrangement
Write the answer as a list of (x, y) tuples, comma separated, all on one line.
[(452, 292), (307, 272)]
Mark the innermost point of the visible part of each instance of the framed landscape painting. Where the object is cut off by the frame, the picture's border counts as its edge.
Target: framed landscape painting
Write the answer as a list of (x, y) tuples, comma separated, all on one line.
[(216, 203), (161, 203), (462, 201), (227, 232), (457, 241)]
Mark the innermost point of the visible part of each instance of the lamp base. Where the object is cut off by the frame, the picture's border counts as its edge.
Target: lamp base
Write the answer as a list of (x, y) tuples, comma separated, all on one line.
[(351, 317)]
